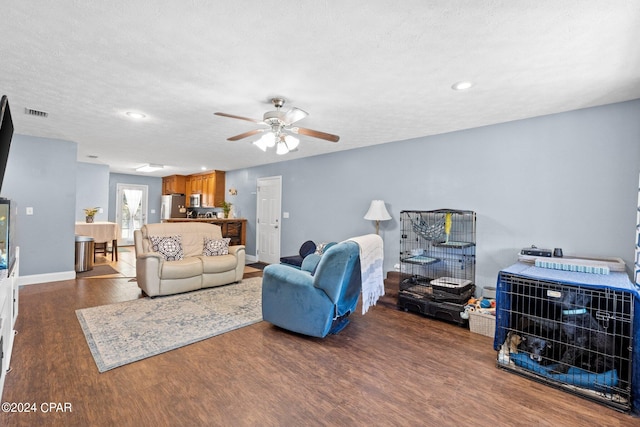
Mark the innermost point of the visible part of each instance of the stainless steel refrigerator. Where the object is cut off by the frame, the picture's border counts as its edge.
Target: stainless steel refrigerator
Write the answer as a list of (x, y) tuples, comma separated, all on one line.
[(173, 206)]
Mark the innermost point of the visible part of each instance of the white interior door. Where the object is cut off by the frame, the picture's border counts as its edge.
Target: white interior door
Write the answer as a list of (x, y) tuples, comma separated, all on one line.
[(131, 210), (268, 223)]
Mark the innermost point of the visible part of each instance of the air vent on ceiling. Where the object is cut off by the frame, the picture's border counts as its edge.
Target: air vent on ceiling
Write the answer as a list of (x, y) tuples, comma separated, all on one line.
[(37, 113)]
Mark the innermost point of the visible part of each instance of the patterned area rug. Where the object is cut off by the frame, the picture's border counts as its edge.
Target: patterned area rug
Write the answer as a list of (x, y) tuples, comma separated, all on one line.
[(126, 332)]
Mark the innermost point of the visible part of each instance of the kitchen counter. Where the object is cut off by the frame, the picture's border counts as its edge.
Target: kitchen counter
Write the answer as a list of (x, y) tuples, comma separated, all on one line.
[(233, 228)]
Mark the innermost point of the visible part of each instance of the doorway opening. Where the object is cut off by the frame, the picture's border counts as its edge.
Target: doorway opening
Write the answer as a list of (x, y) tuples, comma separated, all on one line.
[(131, 210)]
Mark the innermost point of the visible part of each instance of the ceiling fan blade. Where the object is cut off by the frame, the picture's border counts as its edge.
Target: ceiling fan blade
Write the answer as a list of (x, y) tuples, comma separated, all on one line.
[(294, 115), (246, 134), (237, 117), (315, 134)]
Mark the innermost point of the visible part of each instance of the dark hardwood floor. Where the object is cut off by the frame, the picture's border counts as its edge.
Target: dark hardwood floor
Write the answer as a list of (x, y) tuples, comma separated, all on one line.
[(387, 368)]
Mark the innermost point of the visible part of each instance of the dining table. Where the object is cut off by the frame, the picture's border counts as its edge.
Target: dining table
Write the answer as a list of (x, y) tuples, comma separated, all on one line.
[(101, 232)]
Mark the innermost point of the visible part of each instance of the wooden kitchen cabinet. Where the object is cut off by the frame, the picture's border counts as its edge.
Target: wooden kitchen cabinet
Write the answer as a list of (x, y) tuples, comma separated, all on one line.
[(206, 191), (210, 185), (173, 184), (196, 184), (193, 185), (213, 185), (187, 188)]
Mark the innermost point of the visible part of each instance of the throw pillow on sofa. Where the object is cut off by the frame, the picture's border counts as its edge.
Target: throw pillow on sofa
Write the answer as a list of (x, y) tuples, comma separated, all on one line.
[(215, 247), (169, 247)]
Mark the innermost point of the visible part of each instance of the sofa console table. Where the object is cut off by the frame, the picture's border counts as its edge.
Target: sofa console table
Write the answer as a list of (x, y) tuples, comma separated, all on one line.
[(233, 228)]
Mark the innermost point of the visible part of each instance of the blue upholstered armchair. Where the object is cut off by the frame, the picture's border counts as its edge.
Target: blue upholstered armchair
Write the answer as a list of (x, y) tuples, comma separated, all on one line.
[(317, 304)]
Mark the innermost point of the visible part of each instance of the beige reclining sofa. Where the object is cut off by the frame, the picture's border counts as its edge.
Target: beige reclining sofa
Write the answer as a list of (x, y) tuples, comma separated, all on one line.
[(179, 257)]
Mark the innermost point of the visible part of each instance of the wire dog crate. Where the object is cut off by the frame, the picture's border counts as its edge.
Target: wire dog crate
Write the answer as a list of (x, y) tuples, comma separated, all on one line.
[(437, 262), (570, 336)]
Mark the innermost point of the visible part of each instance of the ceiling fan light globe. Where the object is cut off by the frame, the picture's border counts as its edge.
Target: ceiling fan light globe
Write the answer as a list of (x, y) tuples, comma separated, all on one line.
[(282, 148), (260, 144), (268, 139), (292, 142)]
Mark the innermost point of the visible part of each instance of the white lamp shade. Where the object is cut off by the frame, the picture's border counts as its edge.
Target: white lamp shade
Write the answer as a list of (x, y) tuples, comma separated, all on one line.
[(377, 211)]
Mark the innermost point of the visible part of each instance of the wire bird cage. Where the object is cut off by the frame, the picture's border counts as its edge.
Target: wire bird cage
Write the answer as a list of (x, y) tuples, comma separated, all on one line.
[(437, 262), (438, 243)]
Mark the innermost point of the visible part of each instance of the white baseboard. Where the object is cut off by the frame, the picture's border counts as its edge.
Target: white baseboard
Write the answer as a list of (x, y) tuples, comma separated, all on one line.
[(45, 278), (35, 279)]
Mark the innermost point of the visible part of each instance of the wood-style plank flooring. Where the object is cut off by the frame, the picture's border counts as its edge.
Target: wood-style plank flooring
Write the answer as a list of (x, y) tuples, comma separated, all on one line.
[(387, 368)]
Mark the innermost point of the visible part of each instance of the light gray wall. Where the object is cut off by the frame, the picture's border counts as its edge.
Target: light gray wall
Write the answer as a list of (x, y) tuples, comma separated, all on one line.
[(566, 180), (44, 174), (92, 190), (41, 173), (154, 194)]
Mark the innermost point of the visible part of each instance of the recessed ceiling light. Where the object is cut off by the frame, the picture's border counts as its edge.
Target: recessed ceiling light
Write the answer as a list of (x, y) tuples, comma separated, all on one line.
[(464, 85), (135, 115), (149, 167), (204, 168)]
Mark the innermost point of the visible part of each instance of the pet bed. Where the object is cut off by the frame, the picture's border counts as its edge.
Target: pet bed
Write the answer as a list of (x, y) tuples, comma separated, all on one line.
[(599, 382)]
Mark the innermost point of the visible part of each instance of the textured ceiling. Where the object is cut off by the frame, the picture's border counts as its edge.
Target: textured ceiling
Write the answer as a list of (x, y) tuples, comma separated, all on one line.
[(370, 71)]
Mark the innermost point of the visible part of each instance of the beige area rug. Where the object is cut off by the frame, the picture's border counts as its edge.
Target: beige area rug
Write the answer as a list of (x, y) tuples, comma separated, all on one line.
[(129, 331)]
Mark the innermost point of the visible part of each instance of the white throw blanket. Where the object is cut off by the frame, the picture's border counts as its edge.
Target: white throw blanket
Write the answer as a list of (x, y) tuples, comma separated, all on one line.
[(371, 257)]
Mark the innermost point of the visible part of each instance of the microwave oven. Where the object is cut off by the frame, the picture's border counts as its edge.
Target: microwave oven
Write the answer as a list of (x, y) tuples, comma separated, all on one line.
[(194, 200)]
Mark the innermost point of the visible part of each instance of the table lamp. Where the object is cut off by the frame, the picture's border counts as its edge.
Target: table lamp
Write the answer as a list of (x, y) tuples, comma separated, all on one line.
[(377, 212)]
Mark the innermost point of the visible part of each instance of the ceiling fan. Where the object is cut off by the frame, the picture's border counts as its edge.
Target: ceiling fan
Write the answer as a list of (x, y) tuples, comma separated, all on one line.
[(279, 128)]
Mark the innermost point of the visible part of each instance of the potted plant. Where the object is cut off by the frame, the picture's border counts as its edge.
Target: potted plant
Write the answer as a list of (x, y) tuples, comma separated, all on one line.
[(90, 213), (226, 208)]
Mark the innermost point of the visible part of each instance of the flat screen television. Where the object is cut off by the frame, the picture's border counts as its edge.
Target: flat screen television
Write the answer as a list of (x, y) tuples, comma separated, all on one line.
[(7, 208), (6, 133)]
